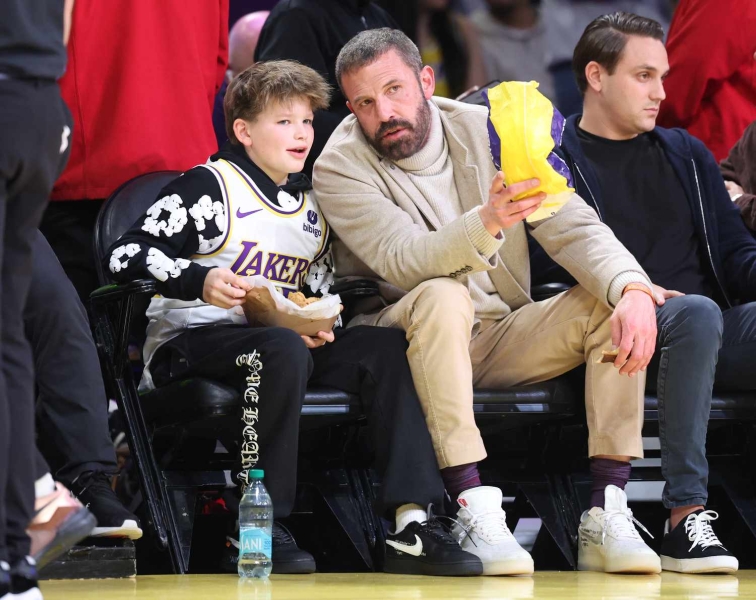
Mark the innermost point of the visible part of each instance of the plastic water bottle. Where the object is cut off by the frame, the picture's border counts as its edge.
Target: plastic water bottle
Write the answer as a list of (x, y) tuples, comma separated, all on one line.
[(255, 529)]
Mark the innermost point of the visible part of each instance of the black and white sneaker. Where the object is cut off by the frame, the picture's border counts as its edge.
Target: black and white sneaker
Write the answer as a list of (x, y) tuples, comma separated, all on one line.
[(93, 490), (23, 575), (428, 548), (693, 547)]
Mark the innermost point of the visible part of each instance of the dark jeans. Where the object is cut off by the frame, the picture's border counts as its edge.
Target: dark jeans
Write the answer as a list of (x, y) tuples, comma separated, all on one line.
[(72, 409), (32, 153), (271, 367), (699, 347)]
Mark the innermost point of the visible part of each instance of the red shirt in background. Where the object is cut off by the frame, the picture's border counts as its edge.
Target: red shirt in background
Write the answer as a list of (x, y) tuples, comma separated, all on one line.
[(141, 80), (711, 88)]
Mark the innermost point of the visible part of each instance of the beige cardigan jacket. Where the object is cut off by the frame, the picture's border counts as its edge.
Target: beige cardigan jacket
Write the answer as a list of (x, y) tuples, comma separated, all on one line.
[(384, 221)]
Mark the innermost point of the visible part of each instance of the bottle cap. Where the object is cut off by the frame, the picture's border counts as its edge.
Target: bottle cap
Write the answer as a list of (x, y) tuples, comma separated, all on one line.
[(256, 474)]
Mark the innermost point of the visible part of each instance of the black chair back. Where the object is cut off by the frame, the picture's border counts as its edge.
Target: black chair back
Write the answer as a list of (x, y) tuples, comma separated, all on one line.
[(122, 209)]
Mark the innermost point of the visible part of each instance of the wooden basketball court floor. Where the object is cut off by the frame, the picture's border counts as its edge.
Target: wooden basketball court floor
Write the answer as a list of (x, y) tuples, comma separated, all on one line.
[(377, 586)]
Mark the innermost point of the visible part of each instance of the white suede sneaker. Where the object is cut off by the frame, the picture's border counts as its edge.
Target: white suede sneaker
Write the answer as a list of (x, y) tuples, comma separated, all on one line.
[(481, 529), (609, 542)]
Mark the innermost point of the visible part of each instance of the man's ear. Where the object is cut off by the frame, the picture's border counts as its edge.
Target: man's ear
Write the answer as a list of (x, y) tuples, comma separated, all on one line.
[(241, 133), (427, 81), (349, 106), (594, 73)]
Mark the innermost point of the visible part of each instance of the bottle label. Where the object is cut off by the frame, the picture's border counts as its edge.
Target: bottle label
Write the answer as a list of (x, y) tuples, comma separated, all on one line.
[(255, 541)]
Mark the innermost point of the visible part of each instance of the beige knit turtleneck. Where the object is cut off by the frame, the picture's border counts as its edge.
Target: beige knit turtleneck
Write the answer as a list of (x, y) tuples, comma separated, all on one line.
[(431, 171)]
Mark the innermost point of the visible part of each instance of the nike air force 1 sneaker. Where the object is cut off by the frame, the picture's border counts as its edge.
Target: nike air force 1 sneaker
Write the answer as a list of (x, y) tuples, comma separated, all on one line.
[(428, 549), (693, 547), (481, 529), (609, 542)]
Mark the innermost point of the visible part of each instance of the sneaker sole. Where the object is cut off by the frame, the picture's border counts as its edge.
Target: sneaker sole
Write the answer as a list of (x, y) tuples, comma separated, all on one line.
[(636, 564), (518, 566), (32, 594), (75, 528), (302, 567), (409, 566), (129, 529), (711, 564)]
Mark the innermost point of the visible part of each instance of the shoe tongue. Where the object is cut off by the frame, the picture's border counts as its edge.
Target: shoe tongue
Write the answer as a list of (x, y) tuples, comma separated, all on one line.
[(481, 499), (614, 498)]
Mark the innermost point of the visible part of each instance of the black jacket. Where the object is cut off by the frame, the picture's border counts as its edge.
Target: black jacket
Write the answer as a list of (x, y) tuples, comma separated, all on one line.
[(313, 32), (729, 247)]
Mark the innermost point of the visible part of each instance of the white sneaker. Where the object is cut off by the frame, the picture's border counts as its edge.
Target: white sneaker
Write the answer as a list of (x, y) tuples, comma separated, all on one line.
[(481, 529), (609, 542)]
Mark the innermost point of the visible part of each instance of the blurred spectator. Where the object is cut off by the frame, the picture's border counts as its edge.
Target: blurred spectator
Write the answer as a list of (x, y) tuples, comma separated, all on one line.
[(447, 42), (711, 88), (565, 21), (514, 43), (72, 407), (35, 129), (739, 172), (313, 32), (242, 41), (141, 86)]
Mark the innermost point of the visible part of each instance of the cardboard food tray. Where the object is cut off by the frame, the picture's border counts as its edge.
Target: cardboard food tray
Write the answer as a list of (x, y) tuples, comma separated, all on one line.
[(260, 310)]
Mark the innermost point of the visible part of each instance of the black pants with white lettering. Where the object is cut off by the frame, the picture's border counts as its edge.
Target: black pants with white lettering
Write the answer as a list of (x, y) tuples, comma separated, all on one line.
[(271, 367)]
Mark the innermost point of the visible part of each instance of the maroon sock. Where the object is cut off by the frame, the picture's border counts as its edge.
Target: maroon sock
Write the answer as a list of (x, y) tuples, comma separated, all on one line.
[(460, 478), (606, 471)]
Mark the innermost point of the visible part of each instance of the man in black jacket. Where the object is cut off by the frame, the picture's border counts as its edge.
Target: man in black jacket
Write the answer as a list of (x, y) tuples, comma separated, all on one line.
[(313, 32), (661, 192)]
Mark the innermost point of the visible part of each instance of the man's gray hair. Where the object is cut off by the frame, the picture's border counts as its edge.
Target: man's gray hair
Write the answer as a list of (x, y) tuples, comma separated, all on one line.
[(368, 46)]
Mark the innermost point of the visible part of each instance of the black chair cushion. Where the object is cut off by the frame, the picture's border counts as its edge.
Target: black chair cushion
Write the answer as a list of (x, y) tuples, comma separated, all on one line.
[(555, 397), (739, 406)]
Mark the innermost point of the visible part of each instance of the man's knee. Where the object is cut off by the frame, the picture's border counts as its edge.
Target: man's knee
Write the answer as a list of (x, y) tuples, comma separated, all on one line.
[(443, 297), (692, 316)]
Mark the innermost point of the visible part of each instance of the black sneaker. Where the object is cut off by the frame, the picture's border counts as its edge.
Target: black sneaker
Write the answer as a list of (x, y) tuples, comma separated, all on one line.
[(288, 558), (5, 581), (24, 584), (93, 490), (693, 547), (428, 549)]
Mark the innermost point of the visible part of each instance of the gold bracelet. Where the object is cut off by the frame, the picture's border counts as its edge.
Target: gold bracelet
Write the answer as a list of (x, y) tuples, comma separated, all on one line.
[(640, 287)]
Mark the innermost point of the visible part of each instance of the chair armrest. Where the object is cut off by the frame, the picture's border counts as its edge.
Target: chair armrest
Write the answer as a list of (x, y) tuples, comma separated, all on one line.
[(113, 292), (548, 290)]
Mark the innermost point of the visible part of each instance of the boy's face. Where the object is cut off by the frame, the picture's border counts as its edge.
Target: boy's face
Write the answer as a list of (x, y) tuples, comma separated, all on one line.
[(280, 138), (631, 96)]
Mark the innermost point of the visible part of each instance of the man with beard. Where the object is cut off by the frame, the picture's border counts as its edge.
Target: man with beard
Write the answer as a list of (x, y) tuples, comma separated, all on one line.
[(402, 183)]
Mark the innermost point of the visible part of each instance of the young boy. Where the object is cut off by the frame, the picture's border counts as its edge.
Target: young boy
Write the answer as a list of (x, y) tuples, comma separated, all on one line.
[(244, 213)]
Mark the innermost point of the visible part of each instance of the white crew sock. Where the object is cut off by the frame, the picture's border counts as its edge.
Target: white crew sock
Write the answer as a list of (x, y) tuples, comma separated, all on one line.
[(407, 513), (44, 485)]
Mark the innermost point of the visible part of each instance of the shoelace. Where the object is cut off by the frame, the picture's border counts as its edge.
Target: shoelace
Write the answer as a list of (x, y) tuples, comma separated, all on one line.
[(91, 480), (281, 535), (435, 528), (623, 527), (492, 523), (699, 530)]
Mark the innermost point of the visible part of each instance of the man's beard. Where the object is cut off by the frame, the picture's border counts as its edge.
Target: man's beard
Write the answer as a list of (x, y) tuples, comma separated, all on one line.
[(410, 143)]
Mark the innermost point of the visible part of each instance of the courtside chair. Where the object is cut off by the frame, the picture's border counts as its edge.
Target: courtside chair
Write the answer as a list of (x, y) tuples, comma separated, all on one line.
[(169, 427)]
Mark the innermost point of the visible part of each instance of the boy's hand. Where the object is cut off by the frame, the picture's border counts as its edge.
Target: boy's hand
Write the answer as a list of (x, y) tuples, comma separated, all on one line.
[(224, 289), (320, 340)]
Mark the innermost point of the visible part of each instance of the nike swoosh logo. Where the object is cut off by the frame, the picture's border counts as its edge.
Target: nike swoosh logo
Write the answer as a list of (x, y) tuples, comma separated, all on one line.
[(415, 549), (241, 215)]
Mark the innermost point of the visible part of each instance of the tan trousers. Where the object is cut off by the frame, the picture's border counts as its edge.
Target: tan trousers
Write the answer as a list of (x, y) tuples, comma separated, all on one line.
[(536, 342)]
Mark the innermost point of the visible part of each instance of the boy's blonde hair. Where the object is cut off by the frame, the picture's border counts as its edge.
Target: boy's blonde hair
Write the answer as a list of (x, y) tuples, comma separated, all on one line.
[(274, 81)]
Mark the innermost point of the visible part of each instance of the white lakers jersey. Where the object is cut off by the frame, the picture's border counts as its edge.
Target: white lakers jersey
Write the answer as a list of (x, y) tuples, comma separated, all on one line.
[(278, 240)]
